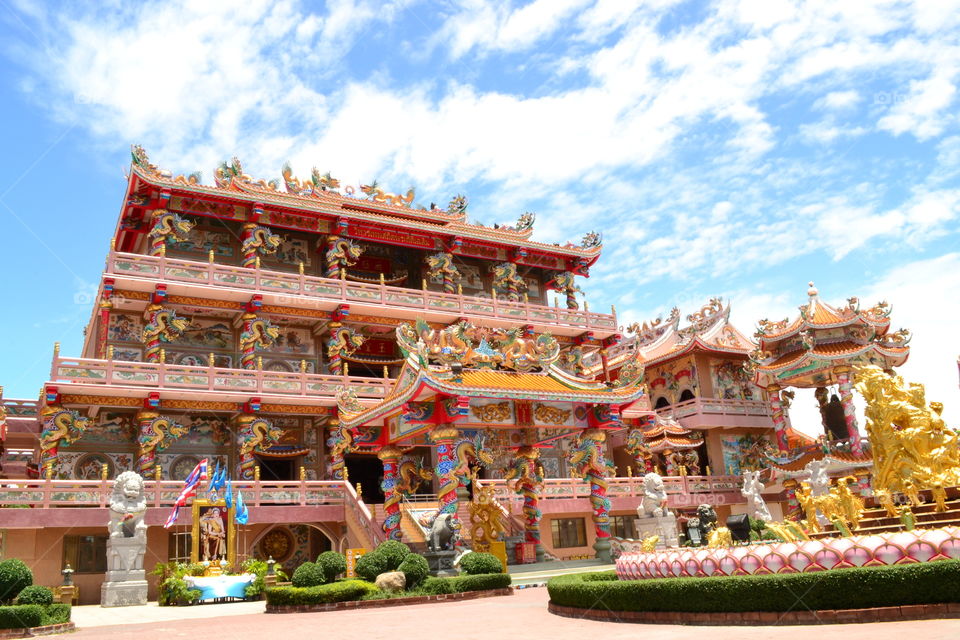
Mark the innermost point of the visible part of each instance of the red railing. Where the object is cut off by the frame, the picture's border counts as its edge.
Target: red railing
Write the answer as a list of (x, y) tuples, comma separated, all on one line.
[(345, 292), (169, 376)]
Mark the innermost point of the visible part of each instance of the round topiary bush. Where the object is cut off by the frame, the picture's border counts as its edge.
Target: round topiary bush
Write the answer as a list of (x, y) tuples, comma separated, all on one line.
[(15, 576), (436, 586), (35, 594), (308, 575), (393, 553), (332, 564), (415, 569), (478, 562), (370, 565)]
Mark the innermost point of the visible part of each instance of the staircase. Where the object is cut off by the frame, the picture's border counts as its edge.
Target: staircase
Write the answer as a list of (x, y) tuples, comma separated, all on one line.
[(876, 520)]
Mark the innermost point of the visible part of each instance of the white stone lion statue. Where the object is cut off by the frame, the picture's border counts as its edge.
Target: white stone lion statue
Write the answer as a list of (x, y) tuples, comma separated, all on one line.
[(127, 507), (654, 496)]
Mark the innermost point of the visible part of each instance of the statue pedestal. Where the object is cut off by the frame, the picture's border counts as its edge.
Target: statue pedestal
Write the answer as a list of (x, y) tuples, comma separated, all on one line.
[(441, 563), (665, 527), (602, 548), (125, 583)]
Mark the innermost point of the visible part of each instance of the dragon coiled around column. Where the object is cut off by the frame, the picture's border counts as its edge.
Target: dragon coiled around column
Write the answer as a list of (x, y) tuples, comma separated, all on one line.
[(340, 441), (587, 459), (343, 341), (156, 433), (256, 434), (565, 282), (468, 450), (164, 326), (441, 265), (525, 476), (258, 239), (636, 446), (258, 333), (507, 282), (60, 426), (398, 483), (341, 253), (168, 227)]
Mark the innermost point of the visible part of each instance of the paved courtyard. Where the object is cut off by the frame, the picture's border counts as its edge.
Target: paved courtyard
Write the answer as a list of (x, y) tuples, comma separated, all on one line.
[(522, 615)]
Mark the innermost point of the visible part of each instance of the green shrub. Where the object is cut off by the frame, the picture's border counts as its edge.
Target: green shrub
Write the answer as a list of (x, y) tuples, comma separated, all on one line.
[(308, 574), (393, 553), (21, 616), (370, 565), (436, 586), (56, 613), (332, 564), (335, 592), (415, 569), (35, 594), (859, 588), (15, 576), (481, 582), (259, 569), (171, 587), (477, 563)]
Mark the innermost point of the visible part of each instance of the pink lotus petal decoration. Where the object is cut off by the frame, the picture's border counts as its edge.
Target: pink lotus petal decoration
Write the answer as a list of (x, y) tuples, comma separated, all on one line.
[(904, 547)]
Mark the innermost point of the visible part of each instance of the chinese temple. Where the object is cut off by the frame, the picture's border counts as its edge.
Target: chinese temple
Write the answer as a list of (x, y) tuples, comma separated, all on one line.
[(359, 362)]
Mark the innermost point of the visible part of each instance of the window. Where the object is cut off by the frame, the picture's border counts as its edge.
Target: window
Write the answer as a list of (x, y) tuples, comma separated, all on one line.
[(568, 532), (85, 554), (661, 403), (623, 526), (686, 394), (179, 545)]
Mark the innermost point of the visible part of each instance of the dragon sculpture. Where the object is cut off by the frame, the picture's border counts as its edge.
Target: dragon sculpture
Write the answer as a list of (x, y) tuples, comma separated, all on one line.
[(507, 282), (256, 434), (571, 360), (591, 240), (457, 205), (257, 240), (156, 433), (168, 227), (524, 353), (315, 184), (637, 447), (565, 283), (378, 195), (913, 449), (341, 253), (164, 326), (340, 441), (401, 477), (60, 426), (525, 476), (257, 333), (441, 266), (343, 341), (466, 451), (486, 521), (227, 174), (587, 461)]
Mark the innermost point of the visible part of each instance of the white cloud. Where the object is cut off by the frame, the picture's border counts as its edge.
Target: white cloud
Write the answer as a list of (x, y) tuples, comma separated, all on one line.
[(837, 100), (922, 111)]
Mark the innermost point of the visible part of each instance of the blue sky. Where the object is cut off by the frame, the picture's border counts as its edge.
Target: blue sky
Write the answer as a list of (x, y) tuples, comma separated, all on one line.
[(730, 148)]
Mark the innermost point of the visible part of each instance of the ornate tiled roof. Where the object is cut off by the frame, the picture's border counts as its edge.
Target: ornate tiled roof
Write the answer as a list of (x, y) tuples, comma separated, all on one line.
[(665, 433)]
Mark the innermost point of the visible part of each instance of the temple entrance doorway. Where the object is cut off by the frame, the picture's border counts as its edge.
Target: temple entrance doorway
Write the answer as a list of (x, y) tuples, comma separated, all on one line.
[(368, 472), (276, 469)]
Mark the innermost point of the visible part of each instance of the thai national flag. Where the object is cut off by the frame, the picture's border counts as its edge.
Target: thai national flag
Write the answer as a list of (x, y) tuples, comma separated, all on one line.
[(198, 475)]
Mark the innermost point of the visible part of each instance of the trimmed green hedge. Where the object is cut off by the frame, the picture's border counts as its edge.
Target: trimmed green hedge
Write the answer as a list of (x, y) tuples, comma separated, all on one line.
[(33, 615), (479, 562), (481, 582), (308, 574), (15, 576), (436, 586), (859, 588), (393, 553), (415, 569), (332, 564), (336, 592), (35, 594)]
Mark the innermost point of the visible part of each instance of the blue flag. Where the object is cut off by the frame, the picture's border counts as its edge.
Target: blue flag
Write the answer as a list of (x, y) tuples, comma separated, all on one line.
[(242, 515), (228, 496)]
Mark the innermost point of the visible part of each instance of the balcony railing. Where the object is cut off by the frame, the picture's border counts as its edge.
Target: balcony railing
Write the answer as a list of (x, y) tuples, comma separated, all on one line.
[(347, 292), (16, 408), (170, 376), (717, 406), (681, 490)]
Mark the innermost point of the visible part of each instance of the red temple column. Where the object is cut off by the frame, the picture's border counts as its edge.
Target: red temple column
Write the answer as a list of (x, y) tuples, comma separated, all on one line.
[(779, 417), (390, 456), (845, 382)]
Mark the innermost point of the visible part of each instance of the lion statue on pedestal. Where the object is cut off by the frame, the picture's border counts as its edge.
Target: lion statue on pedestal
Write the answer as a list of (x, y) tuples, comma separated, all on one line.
[(654, 496), (127, 507)]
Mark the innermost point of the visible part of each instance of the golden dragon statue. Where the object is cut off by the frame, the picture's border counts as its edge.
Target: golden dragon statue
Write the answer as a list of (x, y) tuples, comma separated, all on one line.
[(257, 239), (257, 333), (231, 173), (163, 326), (375, 193), (168, 227), (316, 184), (256, 434), (341, 253)]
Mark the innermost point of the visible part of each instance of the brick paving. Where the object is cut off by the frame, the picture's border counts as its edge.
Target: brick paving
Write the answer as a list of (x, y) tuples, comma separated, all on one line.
[(523, 614)]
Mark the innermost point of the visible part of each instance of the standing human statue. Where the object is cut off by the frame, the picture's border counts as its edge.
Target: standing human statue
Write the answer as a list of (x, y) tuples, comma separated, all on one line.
[(752, 490)]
